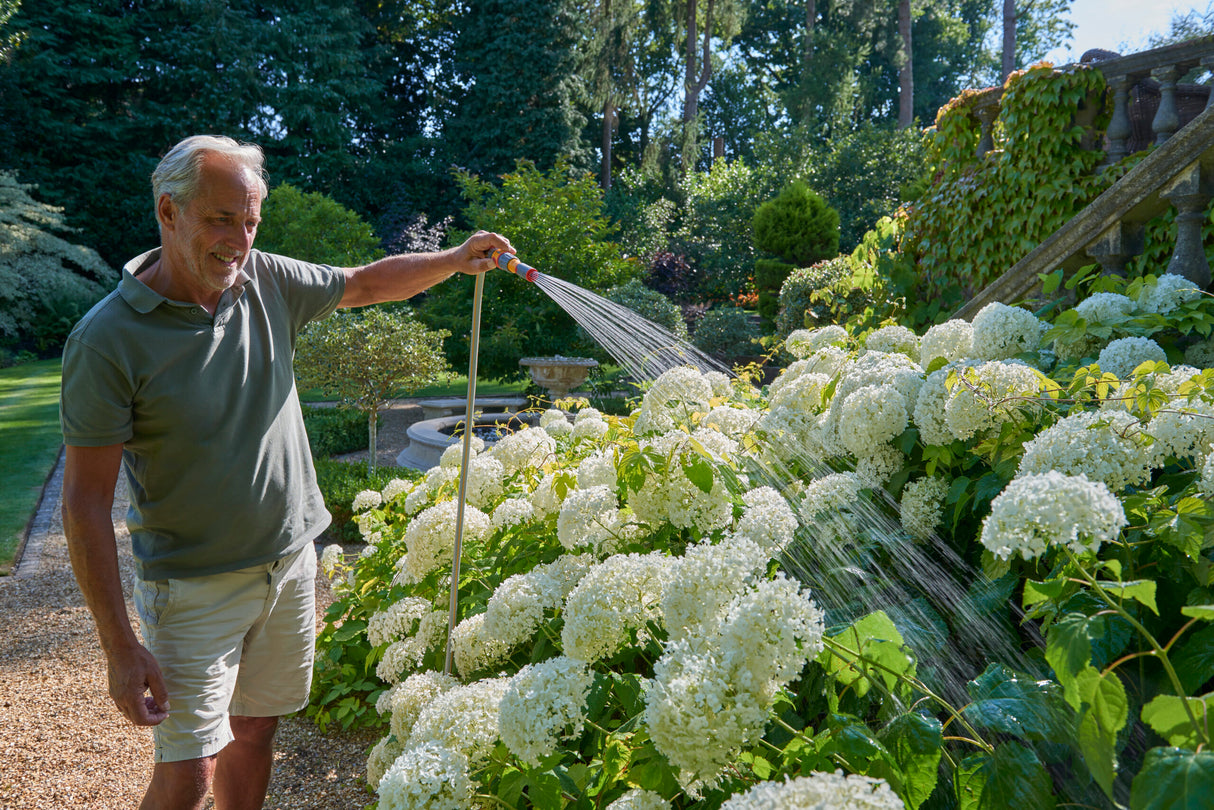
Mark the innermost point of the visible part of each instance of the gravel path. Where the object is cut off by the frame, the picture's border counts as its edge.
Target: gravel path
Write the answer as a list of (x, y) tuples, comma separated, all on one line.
[(64, 745)]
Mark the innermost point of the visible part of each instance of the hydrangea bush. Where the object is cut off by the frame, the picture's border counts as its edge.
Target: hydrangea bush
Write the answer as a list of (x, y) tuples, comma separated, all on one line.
[(962, 569)]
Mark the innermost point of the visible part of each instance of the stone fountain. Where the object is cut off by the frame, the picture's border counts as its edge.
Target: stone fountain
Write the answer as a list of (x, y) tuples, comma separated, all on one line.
[(558, 375)]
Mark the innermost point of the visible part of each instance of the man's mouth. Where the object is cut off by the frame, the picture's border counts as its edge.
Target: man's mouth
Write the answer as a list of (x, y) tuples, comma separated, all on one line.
[(230, 259)]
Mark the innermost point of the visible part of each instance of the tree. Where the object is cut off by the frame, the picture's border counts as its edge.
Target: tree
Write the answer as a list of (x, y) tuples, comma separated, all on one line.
[(314, 228), (366, 357), (721, 20), (46, 282), (906, 65), (1009, 40), (9, 39)]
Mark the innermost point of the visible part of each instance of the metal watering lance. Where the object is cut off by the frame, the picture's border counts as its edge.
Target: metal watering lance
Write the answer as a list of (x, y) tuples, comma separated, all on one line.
[(511, 264)]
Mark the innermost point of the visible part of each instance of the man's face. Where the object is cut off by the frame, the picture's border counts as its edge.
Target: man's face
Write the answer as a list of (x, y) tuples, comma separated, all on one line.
[(208, 240)]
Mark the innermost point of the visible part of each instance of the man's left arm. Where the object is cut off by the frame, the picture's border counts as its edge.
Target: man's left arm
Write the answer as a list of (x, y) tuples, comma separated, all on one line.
[(397, 278)]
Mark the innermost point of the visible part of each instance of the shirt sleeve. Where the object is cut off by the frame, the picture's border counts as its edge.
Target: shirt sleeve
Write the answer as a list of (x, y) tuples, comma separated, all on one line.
[(95, 400), (309, 291)]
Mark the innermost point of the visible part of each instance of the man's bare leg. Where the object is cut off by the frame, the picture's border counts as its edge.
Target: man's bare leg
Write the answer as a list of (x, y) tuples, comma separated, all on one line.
[(179, 785), (242, 773)]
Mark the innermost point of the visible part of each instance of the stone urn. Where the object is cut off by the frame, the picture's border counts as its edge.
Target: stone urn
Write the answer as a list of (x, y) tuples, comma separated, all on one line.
[(558, 375)]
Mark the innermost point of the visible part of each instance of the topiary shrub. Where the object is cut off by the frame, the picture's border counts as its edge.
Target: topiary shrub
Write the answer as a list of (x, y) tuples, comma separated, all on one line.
[(726, 332), (651, 305), (799, 228), (332, 431)]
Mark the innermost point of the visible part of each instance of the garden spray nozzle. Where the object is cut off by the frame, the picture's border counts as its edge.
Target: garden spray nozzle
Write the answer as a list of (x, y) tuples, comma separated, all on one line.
[(510, 263)]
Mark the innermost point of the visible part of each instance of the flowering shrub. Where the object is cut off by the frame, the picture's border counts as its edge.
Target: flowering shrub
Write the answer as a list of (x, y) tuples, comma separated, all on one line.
[(819, 593)]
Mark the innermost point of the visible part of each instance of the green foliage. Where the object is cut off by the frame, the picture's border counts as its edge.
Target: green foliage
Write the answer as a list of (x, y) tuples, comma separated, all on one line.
[(312, 227), (46, 282), (651, 305), (364, 357), (555, 221), (811, 296), (983, 215), (726, 332), (332, 431)]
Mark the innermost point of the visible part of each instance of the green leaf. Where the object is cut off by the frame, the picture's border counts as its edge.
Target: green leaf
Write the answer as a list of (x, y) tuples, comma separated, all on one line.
[(699, 472), (1104, 714), (1008, 704), (1203, 612), (1166, 714), (1140, 590), (1016, 780), (1174, 779), (876, 640), (544, 791), (914, 743), (510, 788), (1050, 590)]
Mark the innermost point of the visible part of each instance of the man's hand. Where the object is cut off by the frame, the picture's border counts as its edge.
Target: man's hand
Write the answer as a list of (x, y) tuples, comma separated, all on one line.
[(132, 674), (473, 254)]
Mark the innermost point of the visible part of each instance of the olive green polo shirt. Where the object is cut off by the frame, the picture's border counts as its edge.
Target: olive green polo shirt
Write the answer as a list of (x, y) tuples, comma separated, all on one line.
[(214, 448)]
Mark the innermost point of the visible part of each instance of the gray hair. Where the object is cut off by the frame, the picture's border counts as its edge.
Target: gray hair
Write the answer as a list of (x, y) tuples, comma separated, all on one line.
[(178, 172)]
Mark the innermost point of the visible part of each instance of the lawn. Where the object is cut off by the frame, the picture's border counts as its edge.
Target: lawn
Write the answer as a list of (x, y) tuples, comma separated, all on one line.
[(29, 445)]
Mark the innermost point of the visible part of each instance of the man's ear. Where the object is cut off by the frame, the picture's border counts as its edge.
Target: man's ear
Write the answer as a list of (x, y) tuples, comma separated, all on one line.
[(166, 211)]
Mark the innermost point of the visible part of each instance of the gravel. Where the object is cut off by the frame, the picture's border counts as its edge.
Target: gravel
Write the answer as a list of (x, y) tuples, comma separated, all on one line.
[(64, 745)]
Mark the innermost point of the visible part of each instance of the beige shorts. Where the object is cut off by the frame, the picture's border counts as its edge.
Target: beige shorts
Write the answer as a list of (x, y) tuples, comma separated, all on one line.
[(239, 643)]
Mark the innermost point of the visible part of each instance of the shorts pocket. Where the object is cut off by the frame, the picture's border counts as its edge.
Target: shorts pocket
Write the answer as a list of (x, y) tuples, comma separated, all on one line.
[(153, 598)]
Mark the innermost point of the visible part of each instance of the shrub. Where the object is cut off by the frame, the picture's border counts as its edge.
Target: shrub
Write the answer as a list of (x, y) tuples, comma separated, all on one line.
[(332, 431), (672, 276), (803, 303), (726, 332), (799, 228), (651, 305), (314, 228)]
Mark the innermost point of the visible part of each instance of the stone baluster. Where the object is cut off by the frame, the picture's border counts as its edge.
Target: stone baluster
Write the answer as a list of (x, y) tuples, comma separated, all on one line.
[(986, 116), (1118, 131), (1167, 118), (1208, 63), (1190, 192), (1116, 246)]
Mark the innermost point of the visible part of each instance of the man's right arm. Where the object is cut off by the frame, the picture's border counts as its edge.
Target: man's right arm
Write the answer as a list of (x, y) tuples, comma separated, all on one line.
[(89, 477)]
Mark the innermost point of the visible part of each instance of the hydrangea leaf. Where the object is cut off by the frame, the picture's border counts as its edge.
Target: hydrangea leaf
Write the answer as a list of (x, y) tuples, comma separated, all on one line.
[(1104, 714), (914, 744), (1174, 779), (1166, 714), (1008, 704)]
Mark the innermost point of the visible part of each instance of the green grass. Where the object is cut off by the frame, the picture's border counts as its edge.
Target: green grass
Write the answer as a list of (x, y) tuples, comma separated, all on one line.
[(456, 386), (29, 445)]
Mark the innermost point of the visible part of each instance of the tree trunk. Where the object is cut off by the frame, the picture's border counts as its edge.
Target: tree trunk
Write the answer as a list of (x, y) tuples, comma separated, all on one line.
[(906, 80), (372, 443), (693, 84), (608, 129), (1009, 39)]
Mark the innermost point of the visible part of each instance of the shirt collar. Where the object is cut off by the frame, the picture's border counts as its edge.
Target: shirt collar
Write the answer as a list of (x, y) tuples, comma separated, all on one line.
[(142, 298)]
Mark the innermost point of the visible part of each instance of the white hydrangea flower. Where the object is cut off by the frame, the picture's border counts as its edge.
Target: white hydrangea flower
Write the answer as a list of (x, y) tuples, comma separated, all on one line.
[(473, 649), (1104, 307), (543, 704), (801, 393), (589, 428), (597, 469), (730, 420), (720, 382), (547, 497), (424, 493), (367, 499), (396, 620), (590, 518), (768, 520), (1167, 293), (704, 581), (516, 608), (1002, 332), (672, 497), (615, 597), (877, 467), (801, 343), (551, 416), (1183, 430), (427, 776), (922, 506), (558, 429), (769, 632), (588, 415), (987, 396), (1206, 485), (406, 654), (819, 791), (929, 408), (453, 456), (1037, 511), (512, 512), (413, 695), (430, 538), (1124, 355), (381, 757), (463, 718), (871, 416), (1166, 382), (673, 400), (638, 799), (893, 340), (953, 340), (524, 449), (1104, 445), (1200, 354), (331, 557), (395, 487), (830, 493)]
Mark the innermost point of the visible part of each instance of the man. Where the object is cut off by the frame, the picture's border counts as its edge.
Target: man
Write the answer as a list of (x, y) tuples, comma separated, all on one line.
[(182, 377)]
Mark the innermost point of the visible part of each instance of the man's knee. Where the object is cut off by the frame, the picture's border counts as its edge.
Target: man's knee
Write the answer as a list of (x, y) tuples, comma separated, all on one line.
[(253, 730), (182, 784)]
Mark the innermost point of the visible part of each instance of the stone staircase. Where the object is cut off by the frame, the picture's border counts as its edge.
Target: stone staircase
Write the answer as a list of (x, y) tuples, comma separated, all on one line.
[(1178, 173)]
